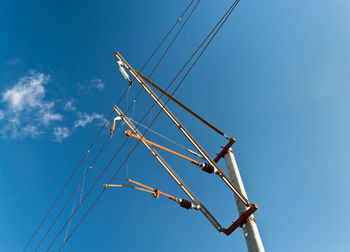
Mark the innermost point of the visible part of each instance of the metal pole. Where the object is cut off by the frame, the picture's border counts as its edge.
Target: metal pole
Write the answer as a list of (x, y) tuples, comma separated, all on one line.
[(250, 229)]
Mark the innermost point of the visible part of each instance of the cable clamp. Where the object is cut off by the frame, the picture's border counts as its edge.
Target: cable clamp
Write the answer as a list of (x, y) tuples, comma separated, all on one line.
[(156, 193), (241, 220)]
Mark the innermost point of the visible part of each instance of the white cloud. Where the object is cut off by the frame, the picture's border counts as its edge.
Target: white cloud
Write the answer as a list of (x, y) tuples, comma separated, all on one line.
[(28, 92), (69, 105), (97, 83), (85, 119), (60, 133), (47, 117), (27, 110)]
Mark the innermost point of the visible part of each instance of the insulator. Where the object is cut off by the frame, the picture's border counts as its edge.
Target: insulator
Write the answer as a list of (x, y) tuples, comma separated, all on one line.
[(208, 168), (124, 73), (186, 204), (112, 129)]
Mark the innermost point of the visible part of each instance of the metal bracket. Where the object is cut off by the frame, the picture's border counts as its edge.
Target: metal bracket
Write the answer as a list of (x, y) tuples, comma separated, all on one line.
[(241, 220), (225, 149)]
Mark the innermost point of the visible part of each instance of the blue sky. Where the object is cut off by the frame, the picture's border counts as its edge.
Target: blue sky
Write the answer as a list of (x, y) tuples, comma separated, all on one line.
[(276, 78)]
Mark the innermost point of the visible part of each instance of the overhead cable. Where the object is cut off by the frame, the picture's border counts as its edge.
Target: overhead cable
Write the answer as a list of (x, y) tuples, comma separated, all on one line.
[(71, 195), (129, 152), (87, 194), (145, 64), (67, 183), (226, 15)]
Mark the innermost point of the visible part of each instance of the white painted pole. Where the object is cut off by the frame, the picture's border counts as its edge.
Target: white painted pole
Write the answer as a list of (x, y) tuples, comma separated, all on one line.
[(250, 229)]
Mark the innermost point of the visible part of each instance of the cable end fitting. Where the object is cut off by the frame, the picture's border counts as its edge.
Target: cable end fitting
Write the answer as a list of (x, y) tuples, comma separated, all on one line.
[(230, 138), (208, 168), (187, 204), (127, 132)]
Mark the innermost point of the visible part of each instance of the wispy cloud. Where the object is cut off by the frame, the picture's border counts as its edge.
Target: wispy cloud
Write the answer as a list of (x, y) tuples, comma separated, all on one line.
[(61, 133), (27, 110), (97, 83), (69, 105), (30, 130), (91, 84), (14, 61), (85, 119)]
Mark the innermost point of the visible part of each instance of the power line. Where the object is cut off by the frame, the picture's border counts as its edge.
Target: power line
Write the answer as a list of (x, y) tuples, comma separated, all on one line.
[(87, 194), (65, 236), (222, 21), (104, 189), (70, 197), (163, 105), (171, 43), (224, 18), (162, 43), (177, 34), (104, 170), (141, 90), (186, 40), (147, 61), (227, 14), (237, 192), (66, 184), (125, 160), (168, 33)]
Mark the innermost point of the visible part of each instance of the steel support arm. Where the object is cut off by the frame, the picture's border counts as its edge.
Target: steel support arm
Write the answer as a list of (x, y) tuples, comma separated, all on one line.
[(171, 172), (186, 133)]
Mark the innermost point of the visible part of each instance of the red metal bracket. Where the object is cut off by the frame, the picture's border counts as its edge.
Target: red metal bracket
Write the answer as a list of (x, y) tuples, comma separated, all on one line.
[(225, 149), (241, 220)]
